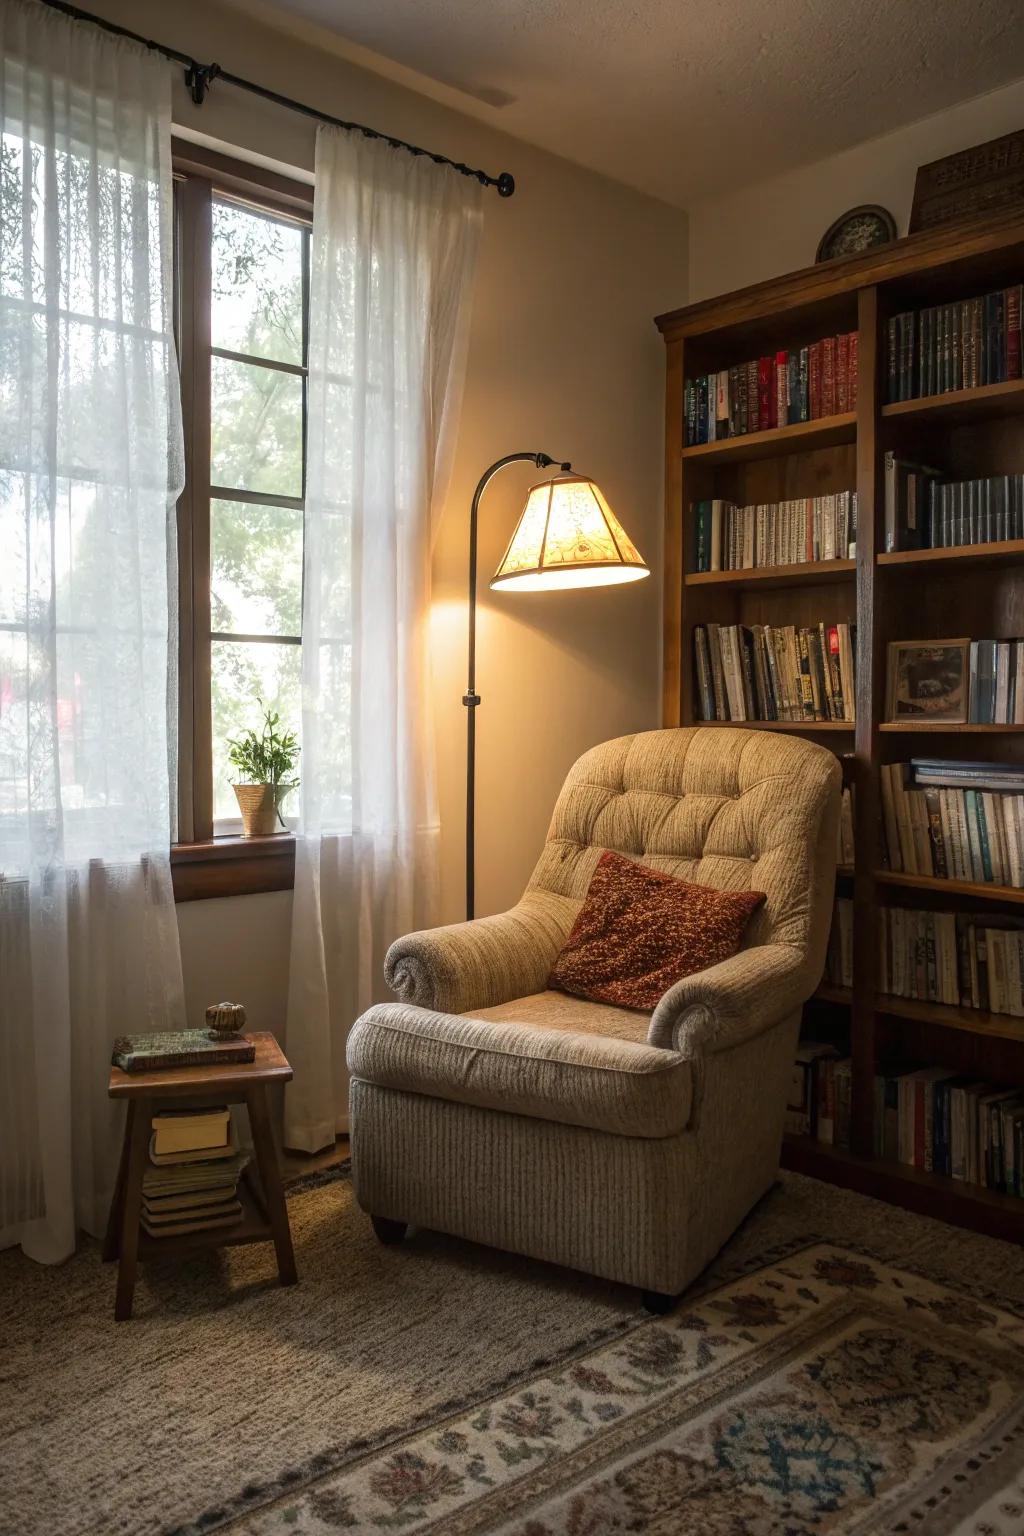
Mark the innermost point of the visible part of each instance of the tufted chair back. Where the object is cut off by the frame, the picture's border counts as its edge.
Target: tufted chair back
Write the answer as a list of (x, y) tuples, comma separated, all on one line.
[(730, 808)]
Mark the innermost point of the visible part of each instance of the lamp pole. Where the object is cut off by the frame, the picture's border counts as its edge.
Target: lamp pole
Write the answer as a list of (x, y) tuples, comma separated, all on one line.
[(471, 699)]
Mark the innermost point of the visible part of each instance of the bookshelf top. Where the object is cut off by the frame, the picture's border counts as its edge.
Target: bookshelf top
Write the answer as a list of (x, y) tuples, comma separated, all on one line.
[(827, 283)]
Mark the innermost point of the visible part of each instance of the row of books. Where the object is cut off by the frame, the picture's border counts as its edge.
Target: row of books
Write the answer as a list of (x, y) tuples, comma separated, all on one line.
[(935, 1119), (775, 672), (732, 538), (820, 1094), (925, 511), (996, 682), (955, 820), (191, 1183), (802, 384), (956, 958), (955, 346), (924, 1117)]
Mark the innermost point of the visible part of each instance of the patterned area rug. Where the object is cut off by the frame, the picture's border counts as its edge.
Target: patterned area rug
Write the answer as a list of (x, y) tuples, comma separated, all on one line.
[(843, 1366), (823, 1393)]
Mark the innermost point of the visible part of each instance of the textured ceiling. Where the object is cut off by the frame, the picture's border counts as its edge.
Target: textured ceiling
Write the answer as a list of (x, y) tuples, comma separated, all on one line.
[(677, 97)]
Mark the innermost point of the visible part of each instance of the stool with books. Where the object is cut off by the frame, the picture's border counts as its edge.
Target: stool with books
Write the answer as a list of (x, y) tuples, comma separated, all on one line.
[(183, 1183)]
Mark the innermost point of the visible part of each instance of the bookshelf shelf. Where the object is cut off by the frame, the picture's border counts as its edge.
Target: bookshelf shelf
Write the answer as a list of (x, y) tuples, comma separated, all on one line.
[(780, 725), (809, 571), (798, 438), (974, 1021), (938, 727), (931, 1194), (972, 888), (996, 553), (959, 405), (975, 590)]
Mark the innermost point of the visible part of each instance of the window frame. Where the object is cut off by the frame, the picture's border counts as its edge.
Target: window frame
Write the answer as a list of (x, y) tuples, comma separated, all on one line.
[(204, 864)]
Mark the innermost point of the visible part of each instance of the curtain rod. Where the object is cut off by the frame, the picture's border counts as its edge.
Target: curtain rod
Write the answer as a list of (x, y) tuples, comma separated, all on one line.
[(199, 78)]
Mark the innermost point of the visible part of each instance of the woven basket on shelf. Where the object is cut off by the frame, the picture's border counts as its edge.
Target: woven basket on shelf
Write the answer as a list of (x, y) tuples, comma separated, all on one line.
[(258, 805)]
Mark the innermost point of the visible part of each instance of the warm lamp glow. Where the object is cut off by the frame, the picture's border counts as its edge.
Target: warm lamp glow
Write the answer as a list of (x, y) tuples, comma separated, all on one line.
[(568, 536)]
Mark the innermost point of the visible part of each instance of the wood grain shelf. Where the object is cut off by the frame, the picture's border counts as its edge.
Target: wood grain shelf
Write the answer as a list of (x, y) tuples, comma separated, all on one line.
[(968, 590), (959, 405), (996, 553), (973, 1021), (938, 728), (799, 437), (973, 888), (931, 1194), (810, 571), (781, 725)]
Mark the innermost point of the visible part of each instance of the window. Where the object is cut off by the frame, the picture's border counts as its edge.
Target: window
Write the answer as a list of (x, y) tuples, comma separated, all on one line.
[(243, 309)]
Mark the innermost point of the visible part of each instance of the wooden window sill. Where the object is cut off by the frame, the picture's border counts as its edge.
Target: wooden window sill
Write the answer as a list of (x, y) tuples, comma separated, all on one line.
[(233, 866)]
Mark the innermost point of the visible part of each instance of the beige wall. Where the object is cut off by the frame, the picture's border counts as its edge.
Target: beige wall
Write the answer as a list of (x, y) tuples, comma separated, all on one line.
[(774, 226), (563, 358)]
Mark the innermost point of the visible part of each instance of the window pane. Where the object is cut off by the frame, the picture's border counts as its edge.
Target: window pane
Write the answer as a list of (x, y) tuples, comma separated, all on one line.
[(257, 285), (256, 569), (241, 675), (256, 428)]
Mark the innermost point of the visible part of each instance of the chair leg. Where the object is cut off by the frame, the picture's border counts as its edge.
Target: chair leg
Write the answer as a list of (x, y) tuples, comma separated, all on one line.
[(657, 1303), (387, 1230)]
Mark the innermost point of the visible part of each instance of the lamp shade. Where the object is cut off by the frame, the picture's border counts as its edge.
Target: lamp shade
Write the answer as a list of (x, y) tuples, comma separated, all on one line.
[(568, 536)]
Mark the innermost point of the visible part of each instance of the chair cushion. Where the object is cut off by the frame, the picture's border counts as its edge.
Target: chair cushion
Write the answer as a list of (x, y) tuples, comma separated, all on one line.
[(624, 1087), (640, 931)]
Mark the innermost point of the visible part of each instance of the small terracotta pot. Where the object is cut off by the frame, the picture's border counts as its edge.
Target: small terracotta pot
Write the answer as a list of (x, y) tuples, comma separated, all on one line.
[(258, 805)]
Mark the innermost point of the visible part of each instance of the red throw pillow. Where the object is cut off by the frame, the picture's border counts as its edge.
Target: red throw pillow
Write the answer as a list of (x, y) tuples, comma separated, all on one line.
[(639, 932)]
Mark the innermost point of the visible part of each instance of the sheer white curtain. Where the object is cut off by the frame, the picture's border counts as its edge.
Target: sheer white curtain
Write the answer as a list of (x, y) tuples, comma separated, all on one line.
[(393, 255), (90, 467)]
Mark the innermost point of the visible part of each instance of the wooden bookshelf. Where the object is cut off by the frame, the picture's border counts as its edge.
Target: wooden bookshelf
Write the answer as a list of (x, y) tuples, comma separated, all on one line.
[(996, 553), (816, 571), (977, 591)]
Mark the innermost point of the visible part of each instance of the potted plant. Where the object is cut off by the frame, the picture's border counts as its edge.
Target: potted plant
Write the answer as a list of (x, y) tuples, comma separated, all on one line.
[(264, 760)]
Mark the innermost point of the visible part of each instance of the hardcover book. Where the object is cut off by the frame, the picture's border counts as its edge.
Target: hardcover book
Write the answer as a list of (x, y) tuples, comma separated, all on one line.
[(178, 1048)]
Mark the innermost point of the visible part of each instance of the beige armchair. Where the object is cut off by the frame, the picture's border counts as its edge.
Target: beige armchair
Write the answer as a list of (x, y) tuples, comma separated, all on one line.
[(626, 1144)]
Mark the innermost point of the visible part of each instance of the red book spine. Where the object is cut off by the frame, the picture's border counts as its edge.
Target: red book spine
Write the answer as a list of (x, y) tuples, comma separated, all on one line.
[(828, 376), (765, 393), (781, 388), (754, 423), (851, 378), (1013, 347), (814, 382), (842, 365)]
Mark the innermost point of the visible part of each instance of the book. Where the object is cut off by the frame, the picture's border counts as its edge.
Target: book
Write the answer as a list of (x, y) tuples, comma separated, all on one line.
[(729, 537), (764, 672), (184, 1227), (954, 346), (185, 1130), (178, 1048), (179, 1158), (199, 1212)]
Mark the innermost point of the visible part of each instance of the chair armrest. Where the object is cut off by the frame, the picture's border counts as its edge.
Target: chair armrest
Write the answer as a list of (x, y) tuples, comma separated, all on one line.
[(485, 962), (733, 1001)]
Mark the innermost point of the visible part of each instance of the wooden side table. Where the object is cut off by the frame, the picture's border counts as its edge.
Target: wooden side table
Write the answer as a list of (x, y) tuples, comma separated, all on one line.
[(264, 1212)]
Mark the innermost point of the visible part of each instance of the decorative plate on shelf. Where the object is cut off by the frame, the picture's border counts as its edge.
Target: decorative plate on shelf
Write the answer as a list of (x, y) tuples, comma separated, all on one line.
[(857, 231)]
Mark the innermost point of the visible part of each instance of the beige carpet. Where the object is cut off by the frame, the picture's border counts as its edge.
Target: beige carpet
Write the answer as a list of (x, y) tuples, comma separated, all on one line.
[(225, 1391)]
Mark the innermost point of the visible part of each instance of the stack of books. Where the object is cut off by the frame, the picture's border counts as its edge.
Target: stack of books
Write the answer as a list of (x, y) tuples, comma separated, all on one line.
[(801, 384), (955, 820), (957, 958), (820, 1094), (925, 511), (191, 1183), (839, 959), (732, 538), (932, 1119), (768, 672), (955, 346)]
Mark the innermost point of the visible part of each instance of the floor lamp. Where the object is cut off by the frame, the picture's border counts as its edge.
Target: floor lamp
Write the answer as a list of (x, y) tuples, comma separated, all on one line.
[(567, 536)]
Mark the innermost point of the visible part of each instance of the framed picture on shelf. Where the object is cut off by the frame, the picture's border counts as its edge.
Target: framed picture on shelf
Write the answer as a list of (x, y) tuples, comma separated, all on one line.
[(928, 681)]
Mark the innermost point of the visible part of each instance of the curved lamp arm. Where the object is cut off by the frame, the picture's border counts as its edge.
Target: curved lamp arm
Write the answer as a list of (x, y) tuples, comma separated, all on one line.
[(471, 699)]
